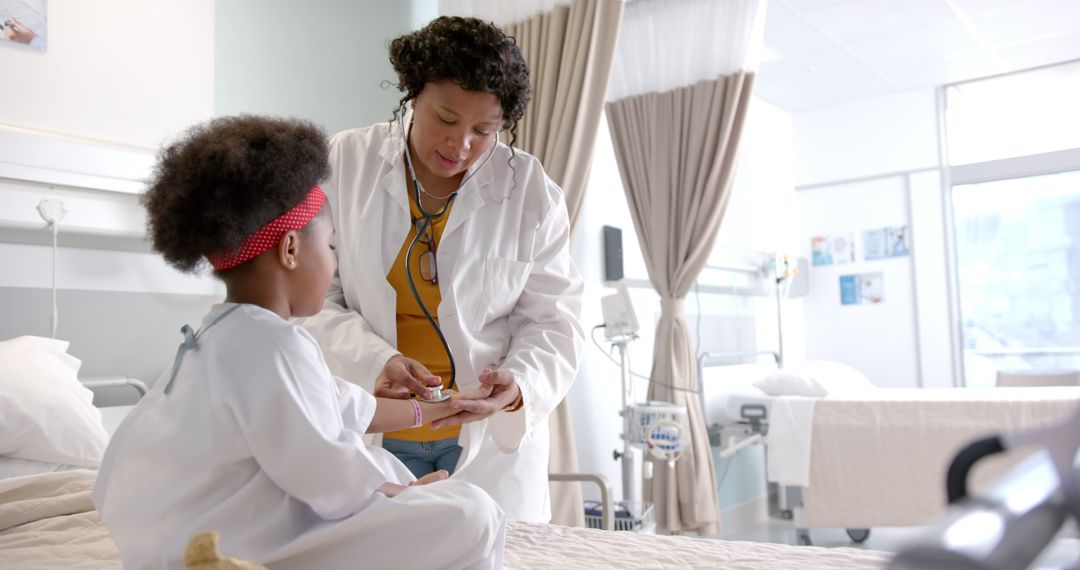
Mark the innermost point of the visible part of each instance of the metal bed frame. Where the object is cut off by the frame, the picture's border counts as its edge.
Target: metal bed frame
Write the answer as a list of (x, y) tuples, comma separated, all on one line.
[(115, 382)]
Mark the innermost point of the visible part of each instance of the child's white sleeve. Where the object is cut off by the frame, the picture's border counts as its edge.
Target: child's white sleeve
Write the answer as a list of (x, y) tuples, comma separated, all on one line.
[(291, 416), (357, 405)]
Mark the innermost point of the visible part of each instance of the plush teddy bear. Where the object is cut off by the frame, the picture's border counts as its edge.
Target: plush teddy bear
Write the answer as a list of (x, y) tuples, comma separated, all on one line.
[(202, 554)]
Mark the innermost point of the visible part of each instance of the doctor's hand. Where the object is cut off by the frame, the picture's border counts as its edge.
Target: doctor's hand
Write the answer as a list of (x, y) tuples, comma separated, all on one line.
[(402, 376), (497, 390)]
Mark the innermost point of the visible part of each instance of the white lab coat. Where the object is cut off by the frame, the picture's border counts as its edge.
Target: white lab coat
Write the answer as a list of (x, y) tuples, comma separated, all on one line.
[(258, 442), (511, 297)]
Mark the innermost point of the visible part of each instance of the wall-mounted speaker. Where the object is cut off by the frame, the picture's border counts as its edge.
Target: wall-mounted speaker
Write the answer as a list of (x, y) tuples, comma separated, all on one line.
[(613, 269)]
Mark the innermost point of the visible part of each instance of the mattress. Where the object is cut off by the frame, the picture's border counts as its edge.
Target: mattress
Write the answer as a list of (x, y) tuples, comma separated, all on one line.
[(544, 546), (880, 459), (48, 522)]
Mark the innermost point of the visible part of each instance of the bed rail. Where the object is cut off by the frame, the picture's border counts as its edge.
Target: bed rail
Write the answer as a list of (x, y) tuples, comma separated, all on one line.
[(608, 512), (115, 382), (707, 359)]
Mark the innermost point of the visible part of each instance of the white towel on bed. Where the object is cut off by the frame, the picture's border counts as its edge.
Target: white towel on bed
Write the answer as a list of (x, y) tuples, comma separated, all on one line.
[(791, 424)]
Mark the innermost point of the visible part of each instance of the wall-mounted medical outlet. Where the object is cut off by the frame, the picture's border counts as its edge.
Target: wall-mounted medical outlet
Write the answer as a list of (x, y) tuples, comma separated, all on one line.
[(51, 209)]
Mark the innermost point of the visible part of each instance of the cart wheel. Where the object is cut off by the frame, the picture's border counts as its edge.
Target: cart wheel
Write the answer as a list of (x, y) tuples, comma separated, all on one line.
[(858, 535), (803, 536)]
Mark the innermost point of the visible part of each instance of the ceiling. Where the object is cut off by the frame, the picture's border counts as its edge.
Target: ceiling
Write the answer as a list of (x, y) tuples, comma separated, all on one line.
[(822, 52)]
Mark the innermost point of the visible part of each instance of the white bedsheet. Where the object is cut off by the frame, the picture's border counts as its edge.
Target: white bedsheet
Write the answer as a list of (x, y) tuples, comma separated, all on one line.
[(880, 459), (48, 522), (552, 547)]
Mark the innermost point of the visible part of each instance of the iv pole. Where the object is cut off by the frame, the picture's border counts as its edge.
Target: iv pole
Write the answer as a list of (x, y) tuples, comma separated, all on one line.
[(620, 327), (626, 455)]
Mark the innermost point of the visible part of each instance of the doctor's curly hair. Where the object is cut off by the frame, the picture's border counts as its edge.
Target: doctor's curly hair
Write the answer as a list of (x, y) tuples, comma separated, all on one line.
[(226, 178), (472, 53)]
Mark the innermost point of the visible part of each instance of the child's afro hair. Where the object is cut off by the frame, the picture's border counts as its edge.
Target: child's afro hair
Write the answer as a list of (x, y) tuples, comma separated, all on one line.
[(226, 178)]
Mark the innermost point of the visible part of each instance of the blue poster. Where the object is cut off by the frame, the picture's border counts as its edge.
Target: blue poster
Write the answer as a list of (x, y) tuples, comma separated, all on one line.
[(849, 289), (865, 288)]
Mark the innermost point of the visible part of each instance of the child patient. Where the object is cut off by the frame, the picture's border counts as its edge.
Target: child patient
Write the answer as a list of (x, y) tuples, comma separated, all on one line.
[(247, 433)]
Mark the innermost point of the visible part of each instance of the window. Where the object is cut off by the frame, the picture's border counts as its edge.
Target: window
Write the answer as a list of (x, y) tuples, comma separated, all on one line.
[(1018, 263)]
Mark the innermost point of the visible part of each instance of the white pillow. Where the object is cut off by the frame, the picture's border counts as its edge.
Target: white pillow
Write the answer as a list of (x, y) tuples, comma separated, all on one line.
[(45, 413), (814, 379), (790, 382)]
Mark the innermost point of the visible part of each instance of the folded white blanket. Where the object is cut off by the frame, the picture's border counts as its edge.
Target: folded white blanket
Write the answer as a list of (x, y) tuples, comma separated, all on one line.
[(791, 426)]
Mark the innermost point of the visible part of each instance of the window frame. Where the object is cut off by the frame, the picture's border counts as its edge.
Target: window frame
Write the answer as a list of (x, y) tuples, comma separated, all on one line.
[(1053, 162)]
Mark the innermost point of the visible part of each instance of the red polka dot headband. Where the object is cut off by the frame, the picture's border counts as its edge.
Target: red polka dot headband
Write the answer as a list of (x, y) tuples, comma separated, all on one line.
[(269, 235)]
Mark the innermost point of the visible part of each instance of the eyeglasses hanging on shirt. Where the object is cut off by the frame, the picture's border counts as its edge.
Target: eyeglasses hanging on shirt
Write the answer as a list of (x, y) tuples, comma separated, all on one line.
[(429, 269)]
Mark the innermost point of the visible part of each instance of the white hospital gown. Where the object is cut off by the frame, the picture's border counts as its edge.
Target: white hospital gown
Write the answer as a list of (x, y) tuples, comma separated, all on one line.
[(257, 441)]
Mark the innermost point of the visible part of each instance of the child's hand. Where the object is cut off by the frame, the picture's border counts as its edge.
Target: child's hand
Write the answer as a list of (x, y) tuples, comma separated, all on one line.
[(439, 475), (497, 390), (391, 489), (459, 416)]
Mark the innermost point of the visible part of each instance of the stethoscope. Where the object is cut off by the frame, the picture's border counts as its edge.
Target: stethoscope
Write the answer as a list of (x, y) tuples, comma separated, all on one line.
[(427, 220)]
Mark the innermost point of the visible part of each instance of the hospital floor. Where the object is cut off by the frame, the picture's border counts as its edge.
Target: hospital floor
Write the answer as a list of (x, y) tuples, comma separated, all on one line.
[(752, 522)]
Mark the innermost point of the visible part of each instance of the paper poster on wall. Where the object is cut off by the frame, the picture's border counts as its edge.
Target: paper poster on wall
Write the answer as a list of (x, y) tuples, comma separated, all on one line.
[(862, 289), (886, 242), (23, 22), (833, 248)]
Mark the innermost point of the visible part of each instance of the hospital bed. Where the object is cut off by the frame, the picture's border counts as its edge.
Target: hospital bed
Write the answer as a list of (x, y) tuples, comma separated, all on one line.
[(47, 521), (867, 458)]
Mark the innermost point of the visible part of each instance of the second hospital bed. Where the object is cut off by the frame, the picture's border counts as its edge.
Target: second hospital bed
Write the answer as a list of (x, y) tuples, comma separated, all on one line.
[(875, 457)]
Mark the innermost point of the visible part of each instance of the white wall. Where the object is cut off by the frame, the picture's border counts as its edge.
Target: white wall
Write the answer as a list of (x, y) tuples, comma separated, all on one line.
[(120, 77), (761, 216), (117, 79), (868, 137), (323, 60), (860, 166), (878, 339), (123, 71)]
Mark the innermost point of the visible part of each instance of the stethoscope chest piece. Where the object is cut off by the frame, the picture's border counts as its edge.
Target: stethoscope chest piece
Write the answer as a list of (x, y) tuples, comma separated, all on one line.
[(437, 395)]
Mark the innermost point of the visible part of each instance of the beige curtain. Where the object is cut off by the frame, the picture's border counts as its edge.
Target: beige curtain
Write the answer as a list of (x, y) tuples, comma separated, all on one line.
[(676, 152), (569, 50)]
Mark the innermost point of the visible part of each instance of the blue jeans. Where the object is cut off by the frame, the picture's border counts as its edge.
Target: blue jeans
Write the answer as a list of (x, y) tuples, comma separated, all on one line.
[(423, 457)]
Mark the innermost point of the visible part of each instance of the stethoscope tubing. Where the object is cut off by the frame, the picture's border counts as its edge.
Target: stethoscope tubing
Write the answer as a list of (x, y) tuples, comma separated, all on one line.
[(416, 294), (428, 218)]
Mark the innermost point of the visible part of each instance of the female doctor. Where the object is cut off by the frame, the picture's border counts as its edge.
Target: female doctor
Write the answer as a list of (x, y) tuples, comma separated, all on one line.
[(440, 223)]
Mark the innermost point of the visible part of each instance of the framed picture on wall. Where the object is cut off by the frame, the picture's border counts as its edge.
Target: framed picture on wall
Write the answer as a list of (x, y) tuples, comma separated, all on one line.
[(886, 242), (23, 23), (862, 289), (832, 248)]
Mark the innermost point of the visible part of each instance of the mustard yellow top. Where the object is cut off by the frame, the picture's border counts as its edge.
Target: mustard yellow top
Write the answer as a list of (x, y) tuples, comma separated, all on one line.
[(415, 336)]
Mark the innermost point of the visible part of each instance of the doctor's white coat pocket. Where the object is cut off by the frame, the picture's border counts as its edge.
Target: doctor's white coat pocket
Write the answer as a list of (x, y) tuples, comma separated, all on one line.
[(504, 280)]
